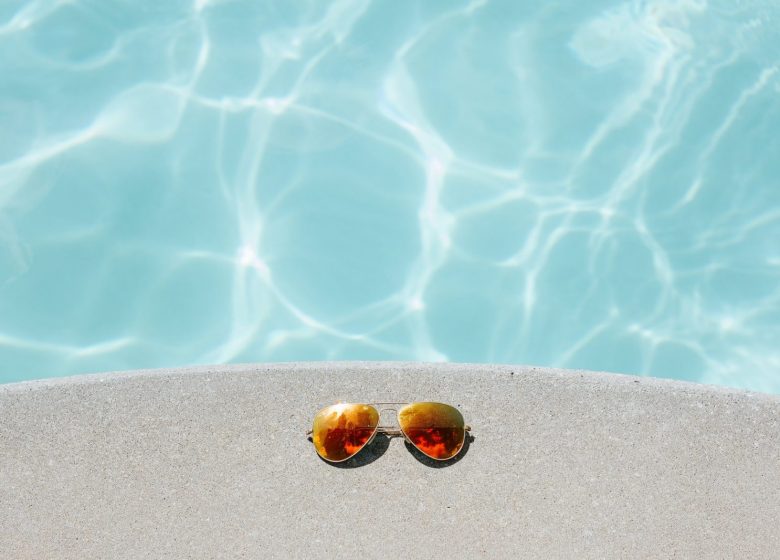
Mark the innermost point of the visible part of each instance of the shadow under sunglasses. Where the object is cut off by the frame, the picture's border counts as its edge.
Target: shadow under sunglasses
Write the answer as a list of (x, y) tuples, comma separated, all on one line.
[(377, 447)]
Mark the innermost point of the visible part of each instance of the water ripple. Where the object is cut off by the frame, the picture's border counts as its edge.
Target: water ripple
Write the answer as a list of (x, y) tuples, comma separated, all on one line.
[(219, 181)]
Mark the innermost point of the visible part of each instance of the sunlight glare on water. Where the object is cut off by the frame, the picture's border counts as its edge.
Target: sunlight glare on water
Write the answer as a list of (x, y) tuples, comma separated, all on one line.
[(584, 185)]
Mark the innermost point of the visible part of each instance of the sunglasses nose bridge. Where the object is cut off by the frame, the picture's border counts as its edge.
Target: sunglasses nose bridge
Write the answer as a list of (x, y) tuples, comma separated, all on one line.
[(388, 416)]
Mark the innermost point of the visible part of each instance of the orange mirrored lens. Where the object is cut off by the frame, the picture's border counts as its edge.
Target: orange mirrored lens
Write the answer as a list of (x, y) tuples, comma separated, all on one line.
[(342, 430), (436, 429)]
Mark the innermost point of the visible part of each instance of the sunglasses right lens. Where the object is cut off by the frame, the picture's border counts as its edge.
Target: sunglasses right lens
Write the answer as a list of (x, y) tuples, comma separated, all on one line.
[(341, 430), (436, 429)]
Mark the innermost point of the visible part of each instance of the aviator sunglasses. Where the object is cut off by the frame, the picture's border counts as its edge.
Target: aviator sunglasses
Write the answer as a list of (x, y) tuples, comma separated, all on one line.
[(341, 430)]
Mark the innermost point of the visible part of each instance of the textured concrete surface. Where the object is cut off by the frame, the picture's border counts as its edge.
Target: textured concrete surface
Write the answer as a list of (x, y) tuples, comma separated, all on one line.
[(213, 463)]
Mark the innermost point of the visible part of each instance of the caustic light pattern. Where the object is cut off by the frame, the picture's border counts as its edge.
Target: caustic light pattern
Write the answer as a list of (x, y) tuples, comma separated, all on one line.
[(207, 181)]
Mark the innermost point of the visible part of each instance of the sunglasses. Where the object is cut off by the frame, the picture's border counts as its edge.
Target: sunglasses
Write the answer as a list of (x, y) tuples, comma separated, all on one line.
[(341, 430)]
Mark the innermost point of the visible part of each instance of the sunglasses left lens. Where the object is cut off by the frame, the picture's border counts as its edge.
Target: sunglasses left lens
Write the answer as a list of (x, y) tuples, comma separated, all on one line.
[(341, 430)]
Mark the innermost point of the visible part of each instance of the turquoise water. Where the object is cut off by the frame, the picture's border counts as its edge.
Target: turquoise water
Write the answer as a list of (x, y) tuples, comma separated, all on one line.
[(578, 184)]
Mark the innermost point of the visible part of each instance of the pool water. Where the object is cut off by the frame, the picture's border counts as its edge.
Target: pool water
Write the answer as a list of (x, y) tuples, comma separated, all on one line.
[(576, 184)]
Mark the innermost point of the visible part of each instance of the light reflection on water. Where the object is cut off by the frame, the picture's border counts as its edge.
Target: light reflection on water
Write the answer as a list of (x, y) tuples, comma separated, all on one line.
[(580, 185)]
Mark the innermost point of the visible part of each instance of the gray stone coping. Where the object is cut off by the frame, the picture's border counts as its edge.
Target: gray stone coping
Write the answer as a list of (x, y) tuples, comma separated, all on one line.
[(212, 462)]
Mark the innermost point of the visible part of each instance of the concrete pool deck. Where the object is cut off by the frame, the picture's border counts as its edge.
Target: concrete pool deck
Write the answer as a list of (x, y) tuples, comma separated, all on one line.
[(212, 462)]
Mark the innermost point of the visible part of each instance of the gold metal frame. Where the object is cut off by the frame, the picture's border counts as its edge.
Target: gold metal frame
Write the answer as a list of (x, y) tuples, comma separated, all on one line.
[(393, 432)]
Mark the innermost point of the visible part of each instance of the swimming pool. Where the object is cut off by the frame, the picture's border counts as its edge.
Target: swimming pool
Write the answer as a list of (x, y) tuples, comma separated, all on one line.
[(586, 185)]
